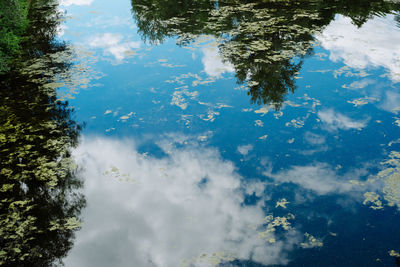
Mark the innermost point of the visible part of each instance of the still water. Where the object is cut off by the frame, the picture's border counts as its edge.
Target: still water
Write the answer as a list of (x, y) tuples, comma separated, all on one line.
[(200, 133)]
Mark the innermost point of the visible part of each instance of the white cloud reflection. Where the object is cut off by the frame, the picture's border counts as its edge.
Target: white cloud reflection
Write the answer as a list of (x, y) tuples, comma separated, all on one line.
[(113, 44), (334, 120), (212, 62), (76, 2), (178, 207), (320, 178), (376, 43)]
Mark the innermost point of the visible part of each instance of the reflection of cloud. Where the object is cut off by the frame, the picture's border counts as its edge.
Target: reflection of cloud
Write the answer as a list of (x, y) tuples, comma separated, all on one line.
[(212, 62), (376, 43), (335, 120), (391, 102), (244, 150), (360, 84), (61, 30), (179, 206), (112, 43), (320, 178), (314, 139), (76, 2)]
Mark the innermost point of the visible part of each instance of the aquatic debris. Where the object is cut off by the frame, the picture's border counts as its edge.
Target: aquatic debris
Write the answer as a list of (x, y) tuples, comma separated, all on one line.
[(290, 141), (263, 137)]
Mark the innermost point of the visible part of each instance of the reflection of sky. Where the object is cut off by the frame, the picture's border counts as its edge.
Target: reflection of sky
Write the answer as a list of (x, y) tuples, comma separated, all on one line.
[(157, 212), (190, 199), (212, 61), (376, 43), (112, 43), (76, 2)]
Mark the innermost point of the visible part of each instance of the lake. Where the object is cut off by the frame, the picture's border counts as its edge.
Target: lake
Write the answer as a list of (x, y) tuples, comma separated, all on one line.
[(200, 133)]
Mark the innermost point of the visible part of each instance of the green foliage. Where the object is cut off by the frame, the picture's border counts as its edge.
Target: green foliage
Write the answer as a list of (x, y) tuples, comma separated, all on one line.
[(13, 24)]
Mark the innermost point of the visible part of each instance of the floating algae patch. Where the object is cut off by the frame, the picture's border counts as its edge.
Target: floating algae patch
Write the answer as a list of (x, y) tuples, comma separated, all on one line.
[(278, 114), (282, 203), (347, 72), (273, 223), (394, 142), (397, 121), (292, 104), (41, 195), (311, 241), (394, 253), (258, 123), (210, 115), (116, 173), (212, 259), (262, 111), (373, 198), (361, 101), (127, 116), (68, 81), (295, 123), (391, 178), (178, 97)]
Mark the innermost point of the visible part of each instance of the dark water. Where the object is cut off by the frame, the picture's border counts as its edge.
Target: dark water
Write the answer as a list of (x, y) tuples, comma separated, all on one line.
[(200, 133)]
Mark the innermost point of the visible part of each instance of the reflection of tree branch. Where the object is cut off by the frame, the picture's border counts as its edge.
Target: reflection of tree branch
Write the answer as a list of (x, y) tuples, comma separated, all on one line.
[(39, 190), (261, 39)]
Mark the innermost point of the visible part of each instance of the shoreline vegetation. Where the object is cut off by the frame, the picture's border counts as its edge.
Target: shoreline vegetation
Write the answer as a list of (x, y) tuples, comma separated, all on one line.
[(40, 190), (13, 25)]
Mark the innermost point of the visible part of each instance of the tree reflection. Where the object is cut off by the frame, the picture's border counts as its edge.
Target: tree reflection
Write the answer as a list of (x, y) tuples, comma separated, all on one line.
[(40, 192), (266, 41)]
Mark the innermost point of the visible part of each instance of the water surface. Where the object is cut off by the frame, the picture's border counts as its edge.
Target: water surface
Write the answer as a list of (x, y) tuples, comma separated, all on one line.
[(203, 133)]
